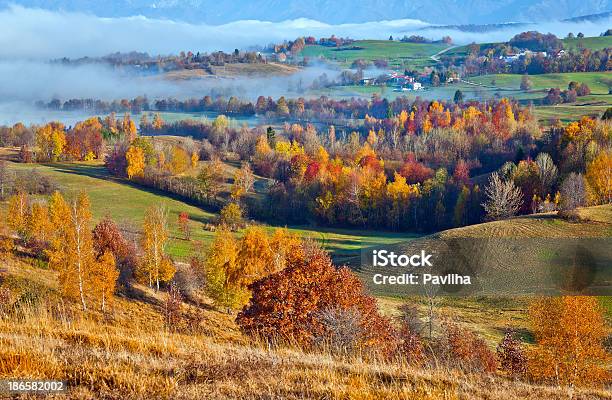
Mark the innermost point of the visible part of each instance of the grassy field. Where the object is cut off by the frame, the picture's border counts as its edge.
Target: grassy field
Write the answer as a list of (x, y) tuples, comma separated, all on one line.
[(126, 204), (598, 82), (397, 54), (572, 112), (593, 43)]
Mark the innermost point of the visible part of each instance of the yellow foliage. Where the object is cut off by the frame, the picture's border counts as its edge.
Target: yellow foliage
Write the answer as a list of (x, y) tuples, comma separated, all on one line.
[(17, 215), (194, 159), (471, 113), (599, 178), (436, 107), (427, 125), (399, 189), (71, 250), (569, 331), (155, 265), (135, 162), (322, 156), (262, 148), (51, 141)]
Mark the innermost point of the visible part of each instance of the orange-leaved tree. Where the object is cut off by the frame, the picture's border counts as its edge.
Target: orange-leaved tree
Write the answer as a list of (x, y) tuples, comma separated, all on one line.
[(103, 278), (599, 178), (289, 304), (569, 331)]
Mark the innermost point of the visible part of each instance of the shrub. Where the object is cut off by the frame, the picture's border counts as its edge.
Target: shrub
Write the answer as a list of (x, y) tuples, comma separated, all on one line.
[(511, 355), (463, 349)]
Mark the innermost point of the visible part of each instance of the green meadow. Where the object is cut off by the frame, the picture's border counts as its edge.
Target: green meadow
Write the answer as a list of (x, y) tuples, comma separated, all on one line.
[(126, 203)]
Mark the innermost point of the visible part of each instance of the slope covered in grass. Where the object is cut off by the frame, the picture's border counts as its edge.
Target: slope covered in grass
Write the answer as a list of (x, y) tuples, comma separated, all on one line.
[(396, 53), (130, 354), (126, 203)]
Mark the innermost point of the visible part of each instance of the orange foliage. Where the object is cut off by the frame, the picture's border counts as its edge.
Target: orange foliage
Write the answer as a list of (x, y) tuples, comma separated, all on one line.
[(569, 331), (288, 304)]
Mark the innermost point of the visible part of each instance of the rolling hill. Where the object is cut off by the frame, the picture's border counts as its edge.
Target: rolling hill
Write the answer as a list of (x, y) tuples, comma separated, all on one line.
[(126, 202), (130, 353)]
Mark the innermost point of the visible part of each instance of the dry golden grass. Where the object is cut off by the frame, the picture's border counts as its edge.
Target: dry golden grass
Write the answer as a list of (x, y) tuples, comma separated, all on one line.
[(598, 223), (232, 71), (129, 354)]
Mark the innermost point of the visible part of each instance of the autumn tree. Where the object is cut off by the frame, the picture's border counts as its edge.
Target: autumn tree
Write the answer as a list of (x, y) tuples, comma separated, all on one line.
[(108, 238), (547, 172), (569, 332), (504, 199), (184, 224), (51, 141), (128, 128), (243, 182), (158, 122), (40, 228), (511, 355), (135, 162), (72, 253), (231, 216), (290, 304), (155, 264), (103, 278), (210, 178), (17, 215), (180, 160), (573, 192), (599, 178), (220, 260)]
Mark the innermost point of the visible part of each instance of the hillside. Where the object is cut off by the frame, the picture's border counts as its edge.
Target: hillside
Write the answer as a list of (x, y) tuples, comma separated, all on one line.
[(593, 43), (516, 250), (130, 354), (397, 54), (233, 71), (125, 202)]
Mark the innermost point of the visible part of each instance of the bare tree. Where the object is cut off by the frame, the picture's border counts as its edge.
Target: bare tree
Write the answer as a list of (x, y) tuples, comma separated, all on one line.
[(342, 329), (573, 192), (547, 171), (504, 199)]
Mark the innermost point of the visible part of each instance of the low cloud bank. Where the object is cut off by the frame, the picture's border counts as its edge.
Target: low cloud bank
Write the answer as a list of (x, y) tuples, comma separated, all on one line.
[(41, 34)]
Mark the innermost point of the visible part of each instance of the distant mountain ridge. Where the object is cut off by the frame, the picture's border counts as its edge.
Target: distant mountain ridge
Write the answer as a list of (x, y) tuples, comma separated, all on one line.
[(447, 12)]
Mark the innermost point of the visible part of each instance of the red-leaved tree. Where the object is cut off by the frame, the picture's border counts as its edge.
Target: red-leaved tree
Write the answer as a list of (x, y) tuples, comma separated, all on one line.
[(288, 305)]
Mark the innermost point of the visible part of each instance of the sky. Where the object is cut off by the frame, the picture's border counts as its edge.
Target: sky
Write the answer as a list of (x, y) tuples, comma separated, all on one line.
[(30, 33)]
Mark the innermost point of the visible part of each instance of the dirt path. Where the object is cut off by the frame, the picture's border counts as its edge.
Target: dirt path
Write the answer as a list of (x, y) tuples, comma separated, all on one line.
[(436, 57)]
